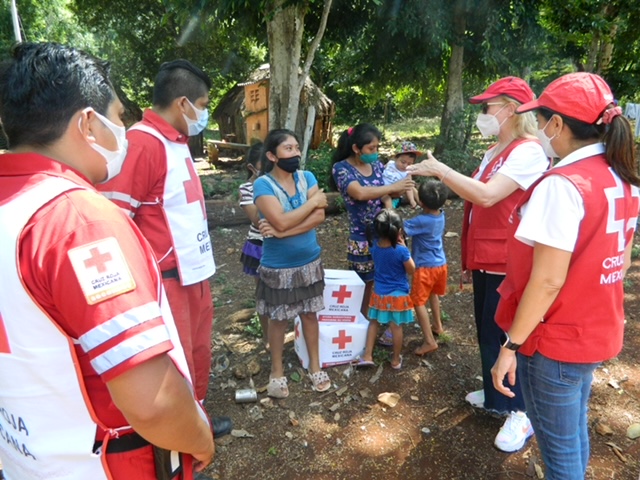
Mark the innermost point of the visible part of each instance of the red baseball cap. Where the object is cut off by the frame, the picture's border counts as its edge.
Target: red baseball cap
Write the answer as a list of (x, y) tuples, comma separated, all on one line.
[(581, 95), (512, 87)]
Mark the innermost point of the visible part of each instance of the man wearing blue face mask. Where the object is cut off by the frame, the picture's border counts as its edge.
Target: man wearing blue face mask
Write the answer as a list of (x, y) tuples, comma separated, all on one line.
[(160, 189), (91, 367)]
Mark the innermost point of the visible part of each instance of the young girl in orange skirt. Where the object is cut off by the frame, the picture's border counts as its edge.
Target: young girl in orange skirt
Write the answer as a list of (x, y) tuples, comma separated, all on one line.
[(390, 302)]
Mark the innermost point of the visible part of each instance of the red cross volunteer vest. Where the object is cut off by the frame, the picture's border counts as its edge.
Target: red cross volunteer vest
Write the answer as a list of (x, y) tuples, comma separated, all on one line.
[(184, 211), (484, 238), (586, 321)]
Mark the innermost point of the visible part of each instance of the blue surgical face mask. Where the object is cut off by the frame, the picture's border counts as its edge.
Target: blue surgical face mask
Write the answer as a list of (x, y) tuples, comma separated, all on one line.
[(201, 121), (369, 157)]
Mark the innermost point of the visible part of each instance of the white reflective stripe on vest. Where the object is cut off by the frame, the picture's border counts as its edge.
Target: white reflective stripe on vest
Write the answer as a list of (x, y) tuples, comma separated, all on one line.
[(183, 207), (45, 425)]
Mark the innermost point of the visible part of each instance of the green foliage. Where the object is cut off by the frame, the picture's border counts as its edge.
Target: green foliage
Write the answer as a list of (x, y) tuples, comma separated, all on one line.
[(254, 327), (635, 252), (319, 163), (381, 355), (445, 337)]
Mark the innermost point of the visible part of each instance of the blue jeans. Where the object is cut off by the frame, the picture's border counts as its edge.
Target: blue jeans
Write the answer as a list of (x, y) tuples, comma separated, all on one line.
[(556, 395), (485, 303)]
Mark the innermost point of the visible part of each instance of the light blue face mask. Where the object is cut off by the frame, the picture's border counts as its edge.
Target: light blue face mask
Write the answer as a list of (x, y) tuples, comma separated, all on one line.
[(369, 157), (201, 122)]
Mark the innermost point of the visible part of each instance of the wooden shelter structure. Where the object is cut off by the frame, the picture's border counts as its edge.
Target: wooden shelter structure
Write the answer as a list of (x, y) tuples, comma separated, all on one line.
[(243, 112)]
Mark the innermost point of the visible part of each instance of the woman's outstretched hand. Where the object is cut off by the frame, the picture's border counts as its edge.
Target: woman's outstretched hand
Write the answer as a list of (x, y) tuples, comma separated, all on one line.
[(429, 167)]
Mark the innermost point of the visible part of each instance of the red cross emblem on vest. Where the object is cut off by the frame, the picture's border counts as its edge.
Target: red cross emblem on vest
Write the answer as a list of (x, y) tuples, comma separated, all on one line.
[(193, 187), (4, 338), (342, 339), (98, 260), (341, 294)]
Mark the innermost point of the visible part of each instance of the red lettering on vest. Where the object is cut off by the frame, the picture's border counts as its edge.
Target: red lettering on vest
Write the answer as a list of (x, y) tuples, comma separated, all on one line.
[(98, 260), (341, 294), (342, 339), (4, 338), (193, 187)]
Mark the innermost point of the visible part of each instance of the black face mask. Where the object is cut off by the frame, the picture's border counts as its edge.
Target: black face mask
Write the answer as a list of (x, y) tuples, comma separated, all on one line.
[(290, 164)]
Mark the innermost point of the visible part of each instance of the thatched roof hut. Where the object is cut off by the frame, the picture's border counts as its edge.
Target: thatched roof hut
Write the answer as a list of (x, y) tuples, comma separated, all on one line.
[(241, 120)]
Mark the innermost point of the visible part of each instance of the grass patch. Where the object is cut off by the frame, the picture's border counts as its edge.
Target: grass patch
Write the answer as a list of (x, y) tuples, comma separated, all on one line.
[(635, 252)]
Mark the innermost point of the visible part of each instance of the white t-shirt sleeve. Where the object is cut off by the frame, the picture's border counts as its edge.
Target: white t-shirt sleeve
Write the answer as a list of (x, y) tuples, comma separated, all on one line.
[(525, 164), (553, 214)]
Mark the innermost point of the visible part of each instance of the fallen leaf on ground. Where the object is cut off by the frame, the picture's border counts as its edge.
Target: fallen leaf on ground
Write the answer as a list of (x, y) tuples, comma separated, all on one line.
[(376, 375), (603, 429), (241, 434), (633, 431), (389, 398)]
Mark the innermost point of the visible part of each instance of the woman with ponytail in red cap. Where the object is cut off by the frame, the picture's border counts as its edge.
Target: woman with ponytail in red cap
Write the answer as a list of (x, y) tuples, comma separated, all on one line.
[(562, 299)]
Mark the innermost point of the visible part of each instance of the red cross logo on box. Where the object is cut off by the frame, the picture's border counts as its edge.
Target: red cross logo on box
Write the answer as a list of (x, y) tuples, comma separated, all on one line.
[(296, 329), (98, 260), (342, 339), (341, 294)]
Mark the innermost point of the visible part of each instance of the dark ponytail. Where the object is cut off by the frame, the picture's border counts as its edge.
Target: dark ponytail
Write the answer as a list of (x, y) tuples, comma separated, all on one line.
[(360, 135), (387, 225), (620, 150)]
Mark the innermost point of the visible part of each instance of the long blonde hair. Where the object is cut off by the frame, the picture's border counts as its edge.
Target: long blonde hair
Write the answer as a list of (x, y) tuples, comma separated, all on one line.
[(524, 124)]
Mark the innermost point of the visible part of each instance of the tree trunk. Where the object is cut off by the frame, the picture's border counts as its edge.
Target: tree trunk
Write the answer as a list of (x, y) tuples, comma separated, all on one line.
[(285, 26), (452, 125)]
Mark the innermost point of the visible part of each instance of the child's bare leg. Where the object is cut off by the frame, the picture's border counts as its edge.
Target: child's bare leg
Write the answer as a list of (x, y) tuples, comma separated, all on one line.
[(411, 197), (396, 331), (372, 334), (264, 323), (429, 344), (434, 303)]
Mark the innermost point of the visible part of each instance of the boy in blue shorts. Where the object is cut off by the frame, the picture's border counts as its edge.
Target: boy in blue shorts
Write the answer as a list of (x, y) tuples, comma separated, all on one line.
[(430, 278)]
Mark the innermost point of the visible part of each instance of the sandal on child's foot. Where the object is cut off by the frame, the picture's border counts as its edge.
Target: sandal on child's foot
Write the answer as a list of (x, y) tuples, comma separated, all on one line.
[(398, 365), (320, 381), (278, 388)]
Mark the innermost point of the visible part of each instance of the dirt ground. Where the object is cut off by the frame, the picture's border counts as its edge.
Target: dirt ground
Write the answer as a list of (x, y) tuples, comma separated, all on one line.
[(431, 433)]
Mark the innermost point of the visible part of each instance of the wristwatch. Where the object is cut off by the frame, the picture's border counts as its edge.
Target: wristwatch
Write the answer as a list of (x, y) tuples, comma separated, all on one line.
[(506, 342)]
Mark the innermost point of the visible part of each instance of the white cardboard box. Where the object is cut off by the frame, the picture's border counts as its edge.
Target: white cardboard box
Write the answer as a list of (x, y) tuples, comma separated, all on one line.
[(343, 292), (338, 342)]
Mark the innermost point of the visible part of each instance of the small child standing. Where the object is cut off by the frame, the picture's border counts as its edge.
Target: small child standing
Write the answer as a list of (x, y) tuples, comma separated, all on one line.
[(396, 170), (390, 303), (252, 249), (430, 278)]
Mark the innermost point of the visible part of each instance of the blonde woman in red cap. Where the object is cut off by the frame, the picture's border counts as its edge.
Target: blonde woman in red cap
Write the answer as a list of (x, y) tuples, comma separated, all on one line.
[(508, 168), (562, 300)]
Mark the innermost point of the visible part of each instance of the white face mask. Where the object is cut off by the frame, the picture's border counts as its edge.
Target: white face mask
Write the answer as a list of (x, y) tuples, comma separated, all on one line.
[(114, 158), (488, 124), (201, 121), (546, 142)]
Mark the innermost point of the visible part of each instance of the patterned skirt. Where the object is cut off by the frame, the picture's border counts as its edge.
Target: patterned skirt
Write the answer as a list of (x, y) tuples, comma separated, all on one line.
[(359, 259), (284, 293), (396, 307), (250, 257)]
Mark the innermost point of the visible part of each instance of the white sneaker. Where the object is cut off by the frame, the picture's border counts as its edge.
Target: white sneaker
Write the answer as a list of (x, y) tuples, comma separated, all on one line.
[(476, 399), (514, 433)]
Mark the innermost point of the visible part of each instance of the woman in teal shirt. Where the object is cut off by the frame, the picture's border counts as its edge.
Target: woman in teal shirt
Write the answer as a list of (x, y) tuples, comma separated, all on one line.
[(291, 274)]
